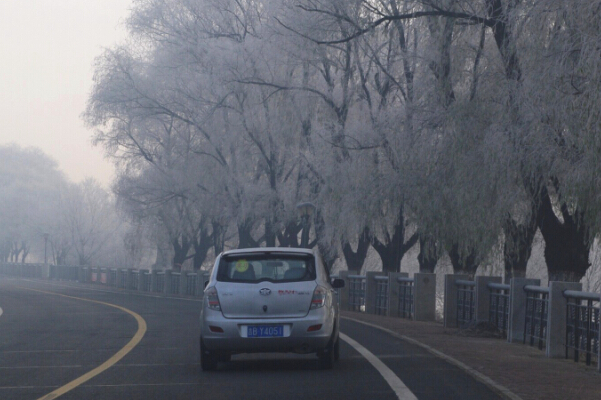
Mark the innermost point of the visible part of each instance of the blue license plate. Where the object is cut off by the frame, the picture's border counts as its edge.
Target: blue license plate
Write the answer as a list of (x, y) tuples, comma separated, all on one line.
[(265, 331)]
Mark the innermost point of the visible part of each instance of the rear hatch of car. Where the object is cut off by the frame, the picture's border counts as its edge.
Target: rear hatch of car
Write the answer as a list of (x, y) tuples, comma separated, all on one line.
[(266, 285), (265, 299)]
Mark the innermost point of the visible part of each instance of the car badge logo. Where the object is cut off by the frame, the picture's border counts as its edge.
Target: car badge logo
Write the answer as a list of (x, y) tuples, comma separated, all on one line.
[(265, 291)]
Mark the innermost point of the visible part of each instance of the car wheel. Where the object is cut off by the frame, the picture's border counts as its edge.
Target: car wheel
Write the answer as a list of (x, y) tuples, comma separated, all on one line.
[(208, 361), (326, 356)]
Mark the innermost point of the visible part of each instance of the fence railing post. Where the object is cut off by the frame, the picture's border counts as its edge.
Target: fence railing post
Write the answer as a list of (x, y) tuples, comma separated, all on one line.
[(167, 284), (483, 296), (128, 278), (45, 271), (200, 284), (517, 308), (344, 292), (205, 278), (142, 277), (424, 296), (371, 288), (394, 292), (450, 299), (153, 280), (556, 317), (183, 282)]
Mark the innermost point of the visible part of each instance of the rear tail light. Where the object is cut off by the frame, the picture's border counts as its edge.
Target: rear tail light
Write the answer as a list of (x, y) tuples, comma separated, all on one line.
[(212, 299), (319, 297)]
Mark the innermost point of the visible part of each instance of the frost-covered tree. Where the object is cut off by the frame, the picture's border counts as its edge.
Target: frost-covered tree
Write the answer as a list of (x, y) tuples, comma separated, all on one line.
[(29, 195)]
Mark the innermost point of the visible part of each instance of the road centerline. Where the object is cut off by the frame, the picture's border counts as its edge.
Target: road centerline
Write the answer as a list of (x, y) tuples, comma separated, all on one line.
[(108, 363)]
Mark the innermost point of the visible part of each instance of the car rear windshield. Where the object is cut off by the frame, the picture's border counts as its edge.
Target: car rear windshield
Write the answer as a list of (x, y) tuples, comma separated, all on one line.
[(266, 267)]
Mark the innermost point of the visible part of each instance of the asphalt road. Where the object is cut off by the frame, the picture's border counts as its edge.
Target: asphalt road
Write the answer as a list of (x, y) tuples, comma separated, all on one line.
[(53, 337)]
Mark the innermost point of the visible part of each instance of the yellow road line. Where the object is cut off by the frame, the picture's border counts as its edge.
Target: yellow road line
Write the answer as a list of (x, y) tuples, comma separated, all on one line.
[(108, 363)]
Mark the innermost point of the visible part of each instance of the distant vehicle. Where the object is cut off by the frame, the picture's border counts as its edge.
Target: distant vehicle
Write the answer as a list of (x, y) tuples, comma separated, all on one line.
[(265, 300)]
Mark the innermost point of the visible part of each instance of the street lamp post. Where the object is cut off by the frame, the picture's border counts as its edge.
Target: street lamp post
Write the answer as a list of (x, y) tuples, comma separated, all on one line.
[(46, 248), (306, 211)]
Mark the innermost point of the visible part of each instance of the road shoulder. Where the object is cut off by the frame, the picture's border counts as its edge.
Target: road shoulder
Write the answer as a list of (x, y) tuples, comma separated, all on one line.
[(523, 371)]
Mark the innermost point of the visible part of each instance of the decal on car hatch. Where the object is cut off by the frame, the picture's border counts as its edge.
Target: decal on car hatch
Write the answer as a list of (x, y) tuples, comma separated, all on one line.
[(288, 292), (241, 265)]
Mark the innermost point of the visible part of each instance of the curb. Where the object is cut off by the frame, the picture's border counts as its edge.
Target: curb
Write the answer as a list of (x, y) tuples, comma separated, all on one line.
[(480, 377)]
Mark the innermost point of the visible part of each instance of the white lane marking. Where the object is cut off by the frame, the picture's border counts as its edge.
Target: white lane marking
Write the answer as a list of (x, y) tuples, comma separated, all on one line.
[(476, 374), (0, 311), (402, 391)]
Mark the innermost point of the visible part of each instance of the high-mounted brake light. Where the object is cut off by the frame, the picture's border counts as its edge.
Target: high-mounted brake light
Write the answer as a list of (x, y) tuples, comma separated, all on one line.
[(319, 297), (212, 299)]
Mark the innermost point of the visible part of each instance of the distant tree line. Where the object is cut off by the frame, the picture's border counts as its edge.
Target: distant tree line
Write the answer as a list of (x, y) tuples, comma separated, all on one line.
[(44, 215)]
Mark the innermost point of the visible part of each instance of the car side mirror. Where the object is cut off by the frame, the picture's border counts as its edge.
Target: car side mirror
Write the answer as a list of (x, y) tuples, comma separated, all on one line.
[(337, 283)]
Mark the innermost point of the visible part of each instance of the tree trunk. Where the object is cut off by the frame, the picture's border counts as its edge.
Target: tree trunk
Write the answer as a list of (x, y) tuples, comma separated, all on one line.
[(463, 264), (245, 239), (219, 232), (428, 254), (201, 247), (270, 235), (518, 246), (327, 251), (393, 249), (356, 259), (290, 236), (180, 250), (566, 244)]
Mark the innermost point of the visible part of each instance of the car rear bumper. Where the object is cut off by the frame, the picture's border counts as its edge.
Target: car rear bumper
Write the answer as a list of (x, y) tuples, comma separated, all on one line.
[(297, 337)]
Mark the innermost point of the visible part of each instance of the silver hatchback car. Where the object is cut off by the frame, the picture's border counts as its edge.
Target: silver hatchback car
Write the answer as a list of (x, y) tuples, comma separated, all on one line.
[(269, 300)]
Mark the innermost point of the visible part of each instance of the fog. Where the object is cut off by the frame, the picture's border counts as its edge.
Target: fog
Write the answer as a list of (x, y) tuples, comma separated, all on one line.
[(47, 52)]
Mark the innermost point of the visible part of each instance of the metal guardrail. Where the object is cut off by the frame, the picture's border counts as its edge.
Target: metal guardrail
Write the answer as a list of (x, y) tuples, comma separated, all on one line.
[(146, 281), (537, 304), (466, 302), (160, 282), (64, 272), (175, 281), (406, 304), (134, 282), (182, 283), (122, 279), (382, 298), (357, 285), (498, 313), (582, 324), (112, 277), (191, 283)]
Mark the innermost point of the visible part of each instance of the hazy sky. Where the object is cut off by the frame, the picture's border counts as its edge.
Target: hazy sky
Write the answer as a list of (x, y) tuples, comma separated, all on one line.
[(47, 48)]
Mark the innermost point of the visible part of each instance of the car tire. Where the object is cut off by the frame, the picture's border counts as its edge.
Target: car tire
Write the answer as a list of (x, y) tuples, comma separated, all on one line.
[(208, 360), (337, 349), (327, 355)]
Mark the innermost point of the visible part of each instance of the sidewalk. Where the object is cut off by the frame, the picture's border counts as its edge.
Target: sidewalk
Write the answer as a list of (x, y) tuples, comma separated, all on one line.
[(522, 369)]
